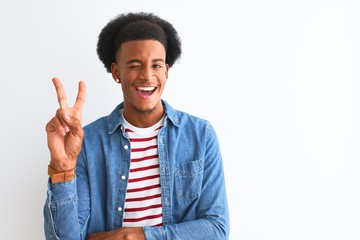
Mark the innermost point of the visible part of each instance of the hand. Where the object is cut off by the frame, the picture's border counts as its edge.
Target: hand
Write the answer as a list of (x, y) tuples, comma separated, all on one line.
[(125, 233), (64, 131)]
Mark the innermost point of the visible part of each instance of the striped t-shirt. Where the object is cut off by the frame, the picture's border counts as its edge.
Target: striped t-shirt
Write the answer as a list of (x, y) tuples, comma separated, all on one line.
[(143, 194)]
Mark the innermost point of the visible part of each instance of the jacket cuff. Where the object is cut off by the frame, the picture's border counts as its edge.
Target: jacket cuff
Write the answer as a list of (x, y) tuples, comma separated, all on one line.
[(154, 233), (62, 190)]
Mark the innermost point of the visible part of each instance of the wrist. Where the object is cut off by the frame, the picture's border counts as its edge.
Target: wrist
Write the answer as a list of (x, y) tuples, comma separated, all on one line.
[(62, 165)]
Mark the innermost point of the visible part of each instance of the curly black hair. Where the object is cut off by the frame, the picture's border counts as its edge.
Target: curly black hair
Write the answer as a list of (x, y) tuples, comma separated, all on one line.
[(137, 26)]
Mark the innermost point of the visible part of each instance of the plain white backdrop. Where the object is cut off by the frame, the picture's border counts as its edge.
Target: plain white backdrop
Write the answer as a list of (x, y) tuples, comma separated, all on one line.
[(279, 81)]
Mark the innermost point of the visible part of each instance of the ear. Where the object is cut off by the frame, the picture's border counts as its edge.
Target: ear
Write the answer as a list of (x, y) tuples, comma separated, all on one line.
[(115, 72), (167, 71)]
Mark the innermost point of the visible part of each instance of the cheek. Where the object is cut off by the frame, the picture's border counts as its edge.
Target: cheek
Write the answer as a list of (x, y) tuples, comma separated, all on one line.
[(162, 76), (125, 86)]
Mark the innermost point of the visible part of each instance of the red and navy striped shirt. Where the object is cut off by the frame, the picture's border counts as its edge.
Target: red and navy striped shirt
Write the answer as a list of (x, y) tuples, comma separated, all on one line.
[(143, 194)]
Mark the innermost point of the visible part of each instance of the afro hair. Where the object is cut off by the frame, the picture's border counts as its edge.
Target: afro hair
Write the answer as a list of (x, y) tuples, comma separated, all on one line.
[(137, 26)]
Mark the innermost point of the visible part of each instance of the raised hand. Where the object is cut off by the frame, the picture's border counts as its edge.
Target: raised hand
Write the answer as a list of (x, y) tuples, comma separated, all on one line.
[(64, 130)]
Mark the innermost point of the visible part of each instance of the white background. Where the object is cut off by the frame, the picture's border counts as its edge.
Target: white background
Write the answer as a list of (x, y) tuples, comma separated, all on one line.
[(279, 81)]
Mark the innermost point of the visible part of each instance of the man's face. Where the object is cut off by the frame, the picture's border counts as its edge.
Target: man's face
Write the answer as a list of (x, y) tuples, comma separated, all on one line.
[(140, 66)]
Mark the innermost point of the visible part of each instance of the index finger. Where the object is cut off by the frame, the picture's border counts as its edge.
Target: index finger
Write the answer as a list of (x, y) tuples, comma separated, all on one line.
[(60, 92), (80, 99)]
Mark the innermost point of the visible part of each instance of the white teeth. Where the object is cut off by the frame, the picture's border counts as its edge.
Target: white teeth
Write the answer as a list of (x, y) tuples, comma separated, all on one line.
[(146, 88)]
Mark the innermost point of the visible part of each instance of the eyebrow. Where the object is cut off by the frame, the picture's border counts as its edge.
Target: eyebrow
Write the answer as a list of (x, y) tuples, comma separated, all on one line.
[(138, 61)]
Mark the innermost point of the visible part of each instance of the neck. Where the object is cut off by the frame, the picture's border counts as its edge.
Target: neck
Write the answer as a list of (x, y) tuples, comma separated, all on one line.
[(143, 119)]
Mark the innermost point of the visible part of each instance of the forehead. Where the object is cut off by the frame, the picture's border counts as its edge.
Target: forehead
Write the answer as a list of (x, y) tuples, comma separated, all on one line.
[(141, 49)]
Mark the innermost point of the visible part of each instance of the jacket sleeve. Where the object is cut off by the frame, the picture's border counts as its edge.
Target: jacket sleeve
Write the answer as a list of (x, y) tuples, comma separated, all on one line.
[(65, 213), (212, 215)]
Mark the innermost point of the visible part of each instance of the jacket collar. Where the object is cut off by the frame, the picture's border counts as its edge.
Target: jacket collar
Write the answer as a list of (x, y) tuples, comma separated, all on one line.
[(115, 120)]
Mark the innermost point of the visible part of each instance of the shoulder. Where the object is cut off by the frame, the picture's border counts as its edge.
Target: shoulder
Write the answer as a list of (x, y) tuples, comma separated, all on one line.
[(105, 124), (188, 123), (180, 118), (96, 127), (188, 118)]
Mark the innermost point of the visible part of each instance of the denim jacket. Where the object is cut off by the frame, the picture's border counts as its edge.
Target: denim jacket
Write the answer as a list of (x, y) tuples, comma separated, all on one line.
[(193, 194)]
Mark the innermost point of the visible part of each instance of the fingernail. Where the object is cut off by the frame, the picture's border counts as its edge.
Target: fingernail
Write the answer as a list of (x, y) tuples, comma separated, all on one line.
[(67, 117)]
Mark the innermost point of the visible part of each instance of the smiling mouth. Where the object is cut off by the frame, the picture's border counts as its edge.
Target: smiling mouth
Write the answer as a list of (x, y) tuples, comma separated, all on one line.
[(146, 90)]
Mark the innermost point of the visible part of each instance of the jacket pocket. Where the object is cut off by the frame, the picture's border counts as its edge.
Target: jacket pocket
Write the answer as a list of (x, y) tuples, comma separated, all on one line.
[(188, 179)]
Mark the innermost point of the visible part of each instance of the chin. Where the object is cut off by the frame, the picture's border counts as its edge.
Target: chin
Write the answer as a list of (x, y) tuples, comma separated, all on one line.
[(146, 110)]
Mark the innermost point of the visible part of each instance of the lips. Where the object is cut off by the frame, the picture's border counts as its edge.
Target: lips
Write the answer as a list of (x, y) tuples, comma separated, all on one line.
[(145, 91)]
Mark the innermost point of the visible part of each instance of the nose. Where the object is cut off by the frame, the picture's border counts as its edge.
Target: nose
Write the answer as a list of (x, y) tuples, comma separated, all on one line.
[(146, 73)]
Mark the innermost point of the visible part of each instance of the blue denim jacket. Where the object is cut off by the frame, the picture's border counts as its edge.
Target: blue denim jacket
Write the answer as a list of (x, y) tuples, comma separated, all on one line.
[(191, 173)]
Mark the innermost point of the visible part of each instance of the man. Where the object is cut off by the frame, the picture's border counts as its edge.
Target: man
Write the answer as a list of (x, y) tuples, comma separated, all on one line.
[(146, 171)]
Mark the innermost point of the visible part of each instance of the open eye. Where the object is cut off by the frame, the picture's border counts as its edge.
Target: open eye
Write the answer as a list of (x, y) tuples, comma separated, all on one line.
[(158, 65)]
